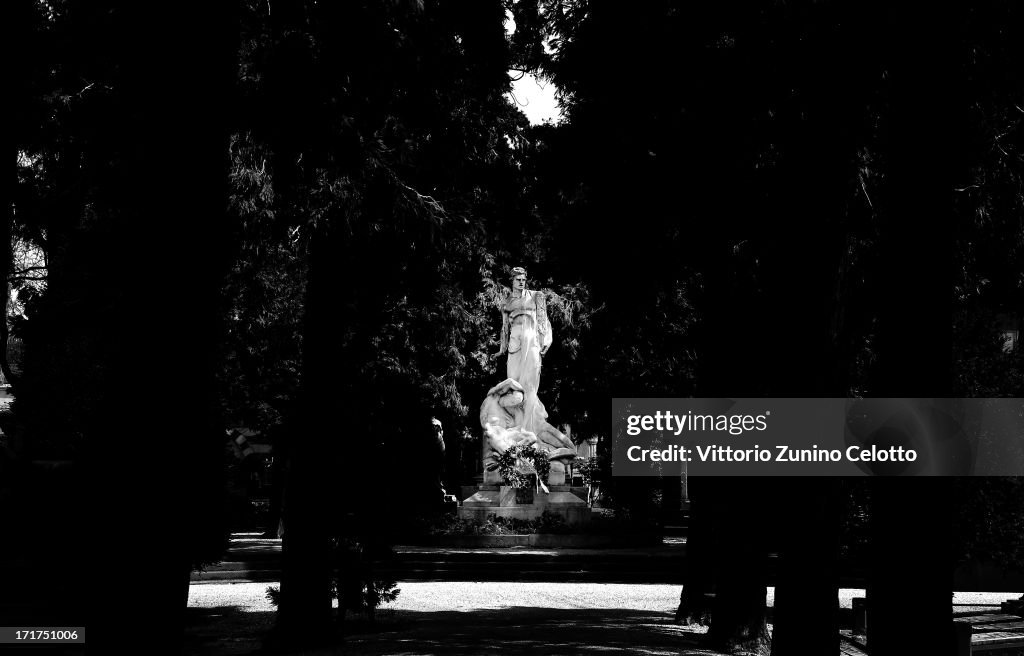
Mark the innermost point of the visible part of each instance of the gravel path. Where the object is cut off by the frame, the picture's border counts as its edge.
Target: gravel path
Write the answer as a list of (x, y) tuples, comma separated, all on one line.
[(466, 618), (470, 618), (466, 596)]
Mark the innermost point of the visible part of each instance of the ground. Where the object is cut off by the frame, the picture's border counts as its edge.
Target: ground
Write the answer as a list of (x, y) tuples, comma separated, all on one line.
[(472, 618)]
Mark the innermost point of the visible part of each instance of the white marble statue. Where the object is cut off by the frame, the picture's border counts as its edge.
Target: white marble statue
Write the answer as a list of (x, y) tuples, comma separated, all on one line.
[(513, 413)]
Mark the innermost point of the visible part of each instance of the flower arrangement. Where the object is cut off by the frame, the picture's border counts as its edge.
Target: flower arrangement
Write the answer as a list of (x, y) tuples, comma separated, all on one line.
[(511, 465)]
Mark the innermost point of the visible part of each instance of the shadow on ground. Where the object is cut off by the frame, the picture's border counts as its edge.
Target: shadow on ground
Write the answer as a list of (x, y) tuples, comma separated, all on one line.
[(506, 631), (225, 630)]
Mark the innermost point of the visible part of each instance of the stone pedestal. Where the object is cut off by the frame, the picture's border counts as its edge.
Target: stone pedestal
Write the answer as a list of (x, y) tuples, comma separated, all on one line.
[(501, 502), (486, 496), (557, 474)]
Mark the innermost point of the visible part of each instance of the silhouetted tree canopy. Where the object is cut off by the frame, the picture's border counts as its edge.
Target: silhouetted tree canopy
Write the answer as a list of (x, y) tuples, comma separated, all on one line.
[(301, 218)]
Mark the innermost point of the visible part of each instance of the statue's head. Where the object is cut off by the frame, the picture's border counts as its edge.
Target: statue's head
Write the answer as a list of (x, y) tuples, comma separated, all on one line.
[(518, 279)]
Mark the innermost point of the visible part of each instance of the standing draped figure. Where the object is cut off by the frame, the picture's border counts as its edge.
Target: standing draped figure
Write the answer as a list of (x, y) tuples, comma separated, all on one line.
[(526, 336)]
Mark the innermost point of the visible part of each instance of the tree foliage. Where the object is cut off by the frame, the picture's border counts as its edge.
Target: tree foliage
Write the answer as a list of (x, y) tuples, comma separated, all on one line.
[(727, 209)]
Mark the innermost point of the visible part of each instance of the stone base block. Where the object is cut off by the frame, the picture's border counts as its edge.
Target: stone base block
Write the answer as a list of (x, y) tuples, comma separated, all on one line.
[(501, 503), (573, 516), (483, 497)]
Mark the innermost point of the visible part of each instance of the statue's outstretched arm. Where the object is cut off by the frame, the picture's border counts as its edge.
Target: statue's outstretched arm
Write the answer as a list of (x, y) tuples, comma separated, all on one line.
[(543, 325), (506, 327)]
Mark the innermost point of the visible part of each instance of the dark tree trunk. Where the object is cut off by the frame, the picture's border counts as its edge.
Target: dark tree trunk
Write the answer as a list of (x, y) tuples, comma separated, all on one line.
[(696, 596), (291, 121), (739, 610), (695, 599), (671, 496), (804, 510), (800, 356), (910, 582), (160, 256), (726, 575), (311, 495), (806, 611)]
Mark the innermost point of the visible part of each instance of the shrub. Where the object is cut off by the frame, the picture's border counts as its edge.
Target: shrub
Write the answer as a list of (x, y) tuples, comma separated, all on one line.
[(356, 588)]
